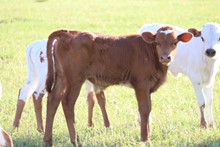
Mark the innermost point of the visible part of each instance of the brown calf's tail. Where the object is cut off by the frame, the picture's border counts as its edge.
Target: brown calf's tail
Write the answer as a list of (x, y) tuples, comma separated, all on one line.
[(51, 47)]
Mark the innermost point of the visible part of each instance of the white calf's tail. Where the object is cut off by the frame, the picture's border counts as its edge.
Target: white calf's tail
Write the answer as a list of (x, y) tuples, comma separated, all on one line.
[(31, 83), (29, 62)]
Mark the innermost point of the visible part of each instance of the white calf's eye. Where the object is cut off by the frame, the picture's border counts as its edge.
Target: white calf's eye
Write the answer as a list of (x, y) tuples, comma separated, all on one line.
[(202, 39)]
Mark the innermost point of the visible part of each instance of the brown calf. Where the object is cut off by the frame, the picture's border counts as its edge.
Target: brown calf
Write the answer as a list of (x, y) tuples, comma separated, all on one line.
[(138, 60)]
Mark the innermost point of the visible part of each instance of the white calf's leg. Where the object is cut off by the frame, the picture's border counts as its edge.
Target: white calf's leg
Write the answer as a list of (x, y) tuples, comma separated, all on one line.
[(209, 97), (24, 94), (40, 62), (91, 101), (26, 91), (201, 102), (38, 99)]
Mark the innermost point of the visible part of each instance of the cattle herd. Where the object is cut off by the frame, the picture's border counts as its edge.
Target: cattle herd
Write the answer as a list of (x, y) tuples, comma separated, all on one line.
[(61, 64)]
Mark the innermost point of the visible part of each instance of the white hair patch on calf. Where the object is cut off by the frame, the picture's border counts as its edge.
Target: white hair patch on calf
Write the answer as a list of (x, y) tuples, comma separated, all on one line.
[(166, 31), (53, 60)]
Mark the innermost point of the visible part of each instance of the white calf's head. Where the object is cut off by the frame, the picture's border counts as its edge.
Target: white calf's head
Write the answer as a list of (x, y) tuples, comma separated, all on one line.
[(210, 36)]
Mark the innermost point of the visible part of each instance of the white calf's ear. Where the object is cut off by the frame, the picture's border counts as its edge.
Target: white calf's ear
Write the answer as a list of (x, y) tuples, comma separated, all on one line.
[(185, 37), (148, 37), (195, 32)]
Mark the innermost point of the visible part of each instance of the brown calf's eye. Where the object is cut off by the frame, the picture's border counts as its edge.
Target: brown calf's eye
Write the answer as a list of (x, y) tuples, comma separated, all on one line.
[(174, 43)]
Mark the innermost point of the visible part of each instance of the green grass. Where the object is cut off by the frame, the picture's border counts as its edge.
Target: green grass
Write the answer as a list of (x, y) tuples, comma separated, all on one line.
[(175, 112)]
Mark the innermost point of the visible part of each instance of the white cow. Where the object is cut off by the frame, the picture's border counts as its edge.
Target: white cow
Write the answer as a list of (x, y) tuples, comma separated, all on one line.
[(35, 85), (5, 138), (200, 61)]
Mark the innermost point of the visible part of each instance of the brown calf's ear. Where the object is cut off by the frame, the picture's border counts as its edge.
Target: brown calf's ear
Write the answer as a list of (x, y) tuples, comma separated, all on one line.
[(148, 37), (195, 32), (185, 37)]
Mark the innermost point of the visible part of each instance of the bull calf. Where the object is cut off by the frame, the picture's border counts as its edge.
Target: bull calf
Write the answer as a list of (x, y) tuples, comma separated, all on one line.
[(138, 60)]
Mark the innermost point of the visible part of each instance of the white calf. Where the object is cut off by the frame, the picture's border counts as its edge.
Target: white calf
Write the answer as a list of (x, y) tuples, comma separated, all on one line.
[(200, 61), (35, 84)]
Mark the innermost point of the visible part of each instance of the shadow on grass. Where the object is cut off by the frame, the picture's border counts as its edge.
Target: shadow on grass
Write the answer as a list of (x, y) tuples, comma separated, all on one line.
[(28, 142), (211, 143)]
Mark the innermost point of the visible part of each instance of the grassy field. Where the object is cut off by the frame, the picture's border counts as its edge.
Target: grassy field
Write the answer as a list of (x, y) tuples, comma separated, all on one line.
[(176, 116)]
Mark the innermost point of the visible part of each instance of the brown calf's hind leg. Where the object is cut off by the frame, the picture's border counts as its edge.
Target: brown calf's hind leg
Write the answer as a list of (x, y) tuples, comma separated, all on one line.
[(53, 101), (68, 103), (102, 103)]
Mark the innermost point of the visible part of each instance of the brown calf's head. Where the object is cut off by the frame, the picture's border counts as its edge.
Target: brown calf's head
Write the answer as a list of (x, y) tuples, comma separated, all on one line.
[(166, 40)]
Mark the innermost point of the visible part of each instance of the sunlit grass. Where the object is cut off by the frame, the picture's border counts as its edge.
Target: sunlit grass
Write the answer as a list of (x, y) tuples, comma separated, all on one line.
[(175, 112)]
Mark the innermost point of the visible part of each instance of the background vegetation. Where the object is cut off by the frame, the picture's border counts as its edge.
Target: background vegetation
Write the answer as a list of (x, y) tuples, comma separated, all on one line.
[(176, 116)]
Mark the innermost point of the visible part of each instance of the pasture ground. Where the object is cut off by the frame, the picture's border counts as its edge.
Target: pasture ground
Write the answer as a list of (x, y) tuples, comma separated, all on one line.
[(175, 113)]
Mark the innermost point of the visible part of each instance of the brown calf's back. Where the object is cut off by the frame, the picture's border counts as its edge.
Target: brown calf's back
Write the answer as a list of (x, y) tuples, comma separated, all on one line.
[(106, 60)]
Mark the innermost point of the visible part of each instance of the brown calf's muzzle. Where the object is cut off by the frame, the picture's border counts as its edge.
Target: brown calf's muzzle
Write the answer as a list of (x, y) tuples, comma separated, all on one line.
[(165, 59)]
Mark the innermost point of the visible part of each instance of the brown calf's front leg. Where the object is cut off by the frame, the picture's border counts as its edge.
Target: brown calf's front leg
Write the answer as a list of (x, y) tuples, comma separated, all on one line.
[(144, 106), (38, 112), (102, 104)]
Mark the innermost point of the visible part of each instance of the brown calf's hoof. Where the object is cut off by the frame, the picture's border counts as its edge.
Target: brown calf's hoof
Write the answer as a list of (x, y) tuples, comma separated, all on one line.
[(90, 124), (148, 143), (48, 144), (40, 130)]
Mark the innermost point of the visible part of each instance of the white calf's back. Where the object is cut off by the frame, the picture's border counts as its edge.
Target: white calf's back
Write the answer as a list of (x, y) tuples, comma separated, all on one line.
[(37, 70), (155, 26)]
